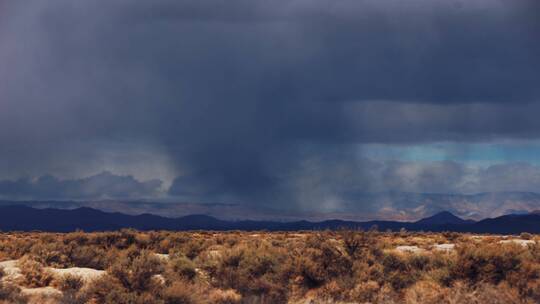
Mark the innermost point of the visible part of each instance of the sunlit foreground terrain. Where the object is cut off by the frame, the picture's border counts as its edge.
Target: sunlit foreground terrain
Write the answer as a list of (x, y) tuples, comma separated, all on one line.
[(243, 267)]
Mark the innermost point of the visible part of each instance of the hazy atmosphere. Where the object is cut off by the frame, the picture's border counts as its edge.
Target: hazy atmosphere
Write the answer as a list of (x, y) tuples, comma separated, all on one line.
[(361, 109)]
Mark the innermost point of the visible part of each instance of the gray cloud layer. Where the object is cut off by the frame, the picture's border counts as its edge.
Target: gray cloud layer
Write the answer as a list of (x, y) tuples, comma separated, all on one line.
[(239, 94), (100, 186)]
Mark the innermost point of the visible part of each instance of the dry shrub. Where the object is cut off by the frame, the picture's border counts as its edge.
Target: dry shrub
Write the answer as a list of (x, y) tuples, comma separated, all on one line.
[(108, 290), (365, 292), (181, 292), (331, 291), (70, 286), (228, 296), (10, 294), (182, 267), (52, 254), (526, 280), (254, 269), (526, 236), (398, 271), (489, 263), (321, 262), (93, 256), (357, 243), (135, 270), (425, 292), (68, 283), (210, 260), (387, 295), (34, 274), (192, 248), (483, 293), (451, 236)]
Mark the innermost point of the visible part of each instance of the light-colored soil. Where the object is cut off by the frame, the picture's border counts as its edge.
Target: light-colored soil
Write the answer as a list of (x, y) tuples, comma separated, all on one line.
[(444, 247), (410, 249), (523, 243), (41, 291), (11, 270), (42, 295), (86, 274), (162, 256)]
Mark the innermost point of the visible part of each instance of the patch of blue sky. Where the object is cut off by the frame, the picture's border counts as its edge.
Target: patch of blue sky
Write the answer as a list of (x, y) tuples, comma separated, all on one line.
[(476, 154)]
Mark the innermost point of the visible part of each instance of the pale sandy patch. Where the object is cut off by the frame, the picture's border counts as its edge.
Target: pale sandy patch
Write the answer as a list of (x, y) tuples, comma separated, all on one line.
[(86, 274), (444, 247), (42, 295), (214, 254), (523, 243), (160, 279), (410, 249), (11, 270), (162, 256)]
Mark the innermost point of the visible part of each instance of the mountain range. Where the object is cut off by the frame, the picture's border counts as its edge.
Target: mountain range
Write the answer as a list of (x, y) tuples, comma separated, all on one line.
[(360, 206), (24, 218)]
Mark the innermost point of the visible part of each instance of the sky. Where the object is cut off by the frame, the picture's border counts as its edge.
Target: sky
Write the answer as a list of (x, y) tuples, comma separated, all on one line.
[(295, 105)]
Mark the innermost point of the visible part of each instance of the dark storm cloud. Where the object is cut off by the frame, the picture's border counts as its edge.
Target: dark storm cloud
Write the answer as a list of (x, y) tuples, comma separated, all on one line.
[(103, 185), (238, 93)]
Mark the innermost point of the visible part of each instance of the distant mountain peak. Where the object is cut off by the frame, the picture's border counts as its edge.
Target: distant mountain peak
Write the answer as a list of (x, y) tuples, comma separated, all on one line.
[(445, 213), (443, 218)]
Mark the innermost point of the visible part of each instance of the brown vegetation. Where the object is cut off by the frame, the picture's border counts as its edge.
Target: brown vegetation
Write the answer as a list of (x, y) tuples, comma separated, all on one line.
[(241, 267), (9, 293)]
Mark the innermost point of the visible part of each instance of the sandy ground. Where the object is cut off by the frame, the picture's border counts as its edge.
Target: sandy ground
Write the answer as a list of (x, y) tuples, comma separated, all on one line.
[(410, 249), (450, 247), (444, 247), (86, 274), (523, 243), (11, 270), (45, 295), (162, 256)]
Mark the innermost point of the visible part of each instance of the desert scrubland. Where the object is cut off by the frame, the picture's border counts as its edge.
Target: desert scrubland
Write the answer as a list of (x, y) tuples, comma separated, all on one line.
[(261, 267)]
